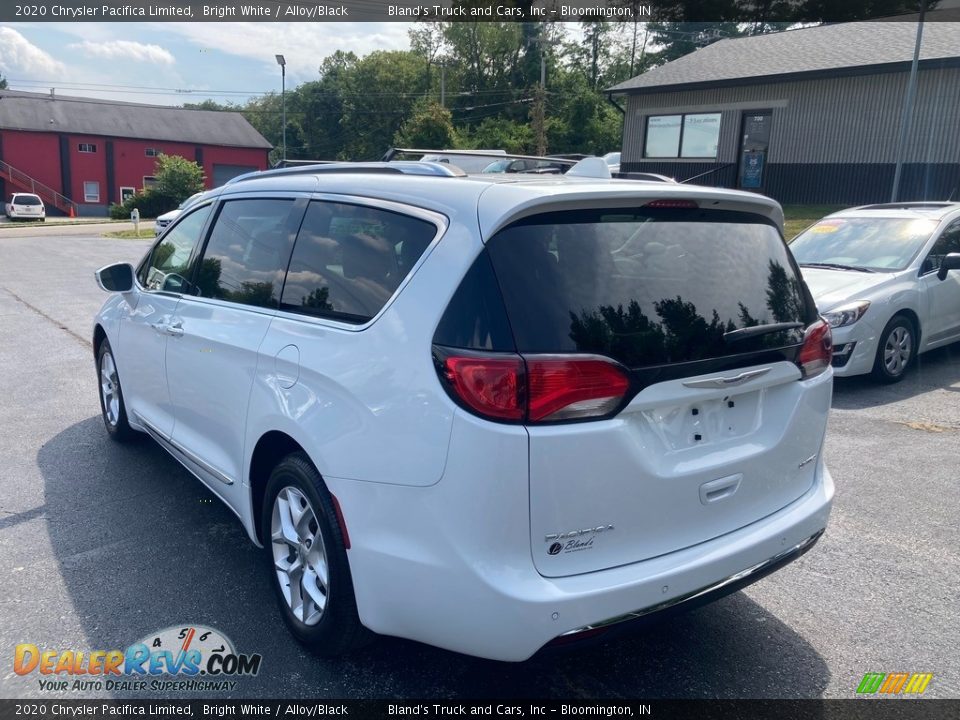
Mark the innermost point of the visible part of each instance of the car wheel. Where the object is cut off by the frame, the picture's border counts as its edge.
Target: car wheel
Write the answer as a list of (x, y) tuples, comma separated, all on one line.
[(307, 560), (896, 350), (111, 396)]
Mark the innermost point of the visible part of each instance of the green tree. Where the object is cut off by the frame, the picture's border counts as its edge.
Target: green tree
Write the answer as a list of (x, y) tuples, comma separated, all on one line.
[(177, 177), (3, 83), (430, 126)]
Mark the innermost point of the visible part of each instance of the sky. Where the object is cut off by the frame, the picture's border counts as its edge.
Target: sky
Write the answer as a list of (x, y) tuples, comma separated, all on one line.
[(158, 63)]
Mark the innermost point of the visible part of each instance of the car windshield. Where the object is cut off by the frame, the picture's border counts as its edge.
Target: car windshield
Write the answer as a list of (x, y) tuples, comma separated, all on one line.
[(500, 166), (26, 200), (871, 243)]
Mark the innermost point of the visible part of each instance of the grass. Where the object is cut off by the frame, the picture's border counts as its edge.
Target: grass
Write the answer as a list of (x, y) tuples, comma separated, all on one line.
[(798, 217), (144, 234)]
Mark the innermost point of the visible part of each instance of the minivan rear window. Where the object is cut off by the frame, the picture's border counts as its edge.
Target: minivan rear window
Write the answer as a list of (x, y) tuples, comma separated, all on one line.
[(649, 287), (26, 200)]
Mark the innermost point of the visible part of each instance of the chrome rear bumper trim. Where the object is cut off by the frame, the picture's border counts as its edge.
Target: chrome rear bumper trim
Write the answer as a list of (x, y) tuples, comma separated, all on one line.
[(757, 569)]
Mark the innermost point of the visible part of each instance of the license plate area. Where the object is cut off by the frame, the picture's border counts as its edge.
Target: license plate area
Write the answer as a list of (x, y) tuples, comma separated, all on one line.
[(706, 421)]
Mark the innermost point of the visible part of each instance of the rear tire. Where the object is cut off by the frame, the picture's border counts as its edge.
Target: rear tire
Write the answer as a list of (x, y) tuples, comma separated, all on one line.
[(112, 407), (307, 561), (896, 350)]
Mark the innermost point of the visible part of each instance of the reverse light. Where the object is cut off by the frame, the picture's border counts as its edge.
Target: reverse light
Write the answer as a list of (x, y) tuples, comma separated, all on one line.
[(817, 350), (846, 314), (532, 388)]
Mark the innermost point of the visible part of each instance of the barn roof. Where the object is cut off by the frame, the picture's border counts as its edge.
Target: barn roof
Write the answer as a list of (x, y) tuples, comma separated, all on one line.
[(44, 112), (824, 50)]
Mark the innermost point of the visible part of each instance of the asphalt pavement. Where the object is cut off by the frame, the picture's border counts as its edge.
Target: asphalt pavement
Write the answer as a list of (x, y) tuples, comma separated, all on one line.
[(101, 544)]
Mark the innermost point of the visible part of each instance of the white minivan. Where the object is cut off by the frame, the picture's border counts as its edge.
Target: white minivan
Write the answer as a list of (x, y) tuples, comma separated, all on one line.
[(25, 206), (488, 413)]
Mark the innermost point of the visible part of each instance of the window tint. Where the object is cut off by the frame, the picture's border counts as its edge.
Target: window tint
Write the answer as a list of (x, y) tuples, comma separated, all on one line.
[(647, 287), (167, 268), (349, 260), (247, 253), (475, 318), (26, 200), (948, 242)]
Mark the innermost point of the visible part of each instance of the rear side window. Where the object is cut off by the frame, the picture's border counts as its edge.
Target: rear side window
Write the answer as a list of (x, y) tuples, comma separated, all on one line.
[(247, 253), (349, 260), (648, 287), (475, 319)]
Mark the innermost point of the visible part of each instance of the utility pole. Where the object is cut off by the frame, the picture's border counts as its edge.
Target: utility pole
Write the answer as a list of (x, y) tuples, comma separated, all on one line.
[(539, 105), (443, 84), (907, 114), (283, 99)]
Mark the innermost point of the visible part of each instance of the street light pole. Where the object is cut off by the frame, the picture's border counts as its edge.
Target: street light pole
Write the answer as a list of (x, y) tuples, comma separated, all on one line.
[(283, 99), (907, 114)]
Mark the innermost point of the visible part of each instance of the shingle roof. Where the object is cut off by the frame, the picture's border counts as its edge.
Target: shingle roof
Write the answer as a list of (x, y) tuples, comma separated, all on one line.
[(87, 116), (824, 49)]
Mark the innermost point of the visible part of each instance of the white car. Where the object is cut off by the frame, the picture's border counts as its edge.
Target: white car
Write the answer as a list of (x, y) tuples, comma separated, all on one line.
[(25, 206), (880, 276), (613, 161), (162, 221), (488, 413)]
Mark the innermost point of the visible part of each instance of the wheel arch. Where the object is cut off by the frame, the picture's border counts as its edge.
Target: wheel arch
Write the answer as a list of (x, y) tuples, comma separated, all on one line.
[(99, 335), (270, 449), (914, 319)]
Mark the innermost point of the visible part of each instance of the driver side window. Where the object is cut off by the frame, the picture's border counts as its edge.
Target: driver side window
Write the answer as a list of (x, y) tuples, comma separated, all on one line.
[(168, 266), (948, 242)]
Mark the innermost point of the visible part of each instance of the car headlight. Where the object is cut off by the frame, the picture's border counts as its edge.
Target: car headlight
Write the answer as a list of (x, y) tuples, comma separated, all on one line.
[(846, 314)]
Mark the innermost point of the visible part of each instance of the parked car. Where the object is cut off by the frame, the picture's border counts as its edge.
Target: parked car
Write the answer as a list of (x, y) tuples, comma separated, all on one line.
[(879, 275), (470, 161), (25, 206), (613, 161), (162, 221), (528, 165), (487, 413)]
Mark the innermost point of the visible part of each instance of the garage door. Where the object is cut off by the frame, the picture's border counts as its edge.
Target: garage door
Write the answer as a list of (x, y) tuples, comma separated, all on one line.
[(222, 173)]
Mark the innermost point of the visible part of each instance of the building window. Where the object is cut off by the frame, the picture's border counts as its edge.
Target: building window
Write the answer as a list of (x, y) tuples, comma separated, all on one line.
[(91, 191), (682, 136), (151, 152), (125, 192), (149, 181), (86, 147)]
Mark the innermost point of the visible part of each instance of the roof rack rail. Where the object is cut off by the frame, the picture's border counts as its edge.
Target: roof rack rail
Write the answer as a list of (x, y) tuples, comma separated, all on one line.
[(393, 152), (300, 163), (360, 168)]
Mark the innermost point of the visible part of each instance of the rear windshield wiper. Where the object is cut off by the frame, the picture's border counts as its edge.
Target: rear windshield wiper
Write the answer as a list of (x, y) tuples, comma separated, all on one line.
[(756, 330), (838, 266)]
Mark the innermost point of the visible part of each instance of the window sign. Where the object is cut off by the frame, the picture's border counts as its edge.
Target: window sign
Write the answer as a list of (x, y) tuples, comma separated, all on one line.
[(701, 135), (663, 136)]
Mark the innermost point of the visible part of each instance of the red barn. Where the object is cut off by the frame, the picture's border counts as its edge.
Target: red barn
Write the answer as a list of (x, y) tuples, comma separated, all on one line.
[(84, 154)]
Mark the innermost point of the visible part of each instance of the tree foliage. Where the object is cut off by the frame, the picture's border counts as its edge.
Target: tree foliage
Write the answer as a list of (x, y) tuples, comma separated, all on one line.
[(3, 83), (177, 177), (474, 85)]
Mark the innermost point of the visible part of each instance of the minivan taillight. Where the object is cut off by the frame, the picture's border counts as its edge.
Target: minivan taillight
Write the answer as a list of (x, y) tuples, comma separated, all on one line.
[(571, 388), (491, 386), (817, 350), (533, 388)]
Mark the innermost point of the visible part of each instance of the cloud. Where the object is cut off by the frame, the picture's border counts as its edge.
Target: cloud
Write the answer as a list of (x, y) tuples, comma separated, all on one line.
[(303, 44), (22, 59), (125, 50)]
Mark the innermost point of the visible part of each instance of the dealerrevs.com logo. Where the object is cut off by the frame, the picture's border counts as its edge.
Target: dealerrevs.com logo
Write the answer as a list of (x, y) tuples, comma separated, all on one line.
[(186, 657)]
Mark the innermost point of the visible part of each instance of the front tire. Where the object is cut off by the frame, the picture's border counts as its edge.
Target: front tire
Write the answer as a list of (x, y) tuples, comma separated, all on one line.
[(896, 350), (307, 561), (112, 407)]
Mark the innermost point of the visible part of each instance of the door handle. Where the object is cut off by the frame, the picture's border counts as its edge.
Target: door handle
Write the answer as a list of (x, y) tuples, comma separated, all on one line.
[(175, 329)]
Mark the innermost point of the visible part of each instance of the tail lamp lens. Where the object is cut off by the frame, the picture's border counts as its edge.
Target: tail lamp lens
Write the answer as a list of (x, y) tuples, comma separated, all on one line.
[(533, 388), (817, 350)]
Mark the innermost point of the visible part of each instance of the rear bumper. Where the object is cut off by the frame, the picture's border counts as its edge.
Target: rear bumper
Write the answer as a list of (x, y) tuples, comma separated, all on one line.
[(491, 602)]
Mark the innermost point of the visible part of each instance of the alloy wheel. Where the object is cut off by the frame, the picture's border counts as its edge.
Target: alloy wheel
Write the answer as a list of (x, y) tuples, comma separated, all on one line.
[(110, 389), (299, 555)]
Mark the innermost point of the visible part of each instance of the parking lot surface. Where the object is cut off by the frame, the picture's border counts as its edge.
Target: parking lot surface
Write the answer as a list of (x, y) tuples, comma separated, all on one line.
[(101, 545)]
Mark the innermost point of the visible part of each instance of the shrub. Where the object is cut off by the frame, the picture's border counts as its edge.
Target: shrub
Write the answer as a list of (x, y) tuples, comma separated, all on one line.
[(150, 203)]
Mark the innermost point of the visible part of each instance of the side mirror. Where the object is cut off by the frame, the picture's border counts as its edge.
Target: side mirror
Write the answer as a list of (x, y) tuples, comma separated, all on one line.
[(949, 262), (119, 277)]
